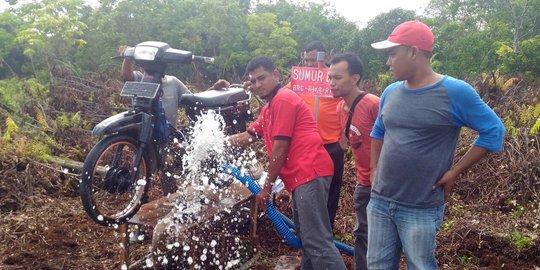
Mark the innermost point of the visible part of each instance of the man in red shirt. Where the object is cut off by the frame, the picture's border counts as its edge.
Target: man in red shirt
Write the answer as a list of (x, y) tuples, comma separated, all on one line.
[(324, 111), (296, 154), (345, 73)]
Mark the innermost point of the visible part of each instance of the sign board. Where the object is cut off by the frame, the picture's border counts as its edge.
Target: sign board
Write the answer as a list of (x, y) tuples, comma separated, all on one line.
[(310, 81)]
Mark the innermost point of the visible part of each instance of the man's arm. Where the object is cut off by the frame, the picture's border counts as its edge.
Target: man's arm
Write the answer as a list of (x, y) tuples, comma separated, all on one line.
[(470, 110), (241, 139), (126, 73), (473, 155), (376, 146), (280, 149)]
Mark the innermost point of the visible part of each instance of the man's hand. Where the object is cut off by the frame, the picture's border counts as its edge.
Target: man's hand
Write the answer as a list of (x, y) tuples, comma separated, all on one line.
[(247, 85), (122, 49), (372, 175), (473, 155), (263, 196), (220, 84), (447, 181)]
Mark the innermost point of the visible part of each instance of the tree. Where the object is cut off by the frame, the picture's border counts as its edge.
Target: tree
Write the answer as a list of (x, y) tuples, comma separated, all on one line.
[(314, 22), (10, 58), (469, 33), (270, 37), (51, 30)]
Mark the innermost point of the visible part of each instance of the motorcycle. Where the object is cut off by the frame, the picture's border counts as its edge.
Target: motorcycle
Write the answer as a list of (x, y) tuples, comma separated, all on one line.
[(137, 144)]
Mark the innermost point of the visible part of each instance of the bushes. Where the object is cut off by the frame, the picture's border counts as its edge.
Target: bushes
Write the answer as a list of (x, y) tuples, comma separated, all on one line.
[(525, 61)]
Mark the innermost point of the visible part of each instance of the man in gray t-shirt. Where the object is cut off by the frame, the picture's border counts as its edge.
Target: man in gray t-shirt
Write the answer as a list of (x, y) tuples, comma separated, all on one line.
[(173, 88), (412, 150)]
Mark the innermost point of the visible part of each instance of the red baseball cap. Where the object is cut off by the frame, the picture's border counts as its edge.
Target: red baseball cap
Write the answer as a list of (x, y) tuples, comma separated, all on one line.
[(411, 33)]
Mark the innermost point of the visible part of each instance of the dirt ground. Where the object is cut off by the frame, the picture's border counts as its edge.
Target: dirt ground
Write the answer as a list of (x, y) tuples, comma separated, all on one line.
[(491, 222), (51, 231)]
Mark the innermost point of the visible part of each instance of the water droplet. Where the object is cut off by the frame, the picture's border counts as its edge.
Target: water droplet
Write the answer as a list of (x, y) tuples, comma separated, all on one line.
[(141, 182)]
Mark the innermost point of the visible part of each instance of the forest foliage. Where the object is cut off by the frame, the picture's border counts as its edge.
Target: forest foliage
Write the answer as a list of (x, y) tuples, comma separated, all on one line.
[(43, 42), (57, 80)]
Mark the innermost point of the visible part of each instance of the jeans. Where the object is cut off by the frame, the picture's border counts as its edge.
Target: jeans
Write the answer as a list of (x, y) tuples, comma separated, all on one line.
[(393, 228)]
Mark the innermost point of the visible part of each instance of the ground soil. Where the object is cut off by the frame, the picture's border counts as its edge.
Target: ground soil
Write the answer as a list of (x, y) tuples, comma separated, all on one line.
[(51, 231), (491, 221)]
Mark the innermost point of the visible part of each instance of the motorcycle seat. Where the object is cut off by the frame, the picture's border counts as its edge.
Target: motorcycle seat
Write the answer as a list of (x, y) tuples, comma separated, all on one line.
[(214, 98)]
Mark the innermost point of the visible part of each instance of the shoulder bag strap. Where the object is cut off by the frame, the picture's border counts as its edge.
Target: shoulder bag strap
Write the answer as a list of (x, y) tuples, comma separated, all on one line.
[(351, 111)]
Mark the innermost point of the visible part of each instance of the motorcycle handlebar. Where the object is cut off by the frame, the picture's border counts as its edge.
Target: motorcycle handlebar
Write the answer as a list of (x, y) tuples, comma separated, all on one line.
[(204, 59), (170, 56)]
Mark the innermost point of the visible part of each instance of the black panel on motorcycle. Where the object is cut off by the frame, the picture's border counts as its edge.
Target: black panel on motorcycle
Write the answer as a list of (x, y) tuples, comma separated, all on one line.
[(139, 89)]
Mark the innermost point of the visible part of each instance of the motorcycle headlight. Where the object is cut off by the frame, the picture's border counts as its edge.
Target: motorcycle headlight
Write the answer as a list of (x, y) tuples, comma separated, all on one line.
[(145, 53)]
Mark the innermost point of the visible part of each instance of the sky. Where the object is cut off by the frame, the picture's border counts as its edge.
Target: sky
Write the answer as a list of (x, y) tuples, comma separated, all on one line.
[(361, 11), (357, 11)]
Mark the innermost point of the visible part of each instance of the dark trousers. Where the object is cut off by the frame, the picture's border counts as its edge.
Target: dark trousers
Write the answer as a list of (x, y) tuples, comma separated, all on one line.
[(336, 153), (362, 195), (312, 225)]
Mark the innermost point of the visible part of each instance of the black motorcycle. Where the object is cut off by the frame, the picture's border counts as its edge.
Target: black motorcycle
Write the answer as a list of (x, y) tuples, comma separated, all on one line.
[(138, 144)]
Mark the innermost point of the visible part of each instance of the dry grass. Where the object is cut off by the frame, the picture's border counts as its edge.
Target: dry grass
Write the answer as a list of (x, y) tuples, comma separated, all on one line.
[(492, 221)]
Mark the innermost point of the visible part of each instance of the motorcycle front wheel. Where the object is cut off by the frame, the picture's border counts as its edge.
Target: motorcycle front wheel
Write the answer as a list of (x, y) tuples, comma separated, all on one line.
[(113, 187)]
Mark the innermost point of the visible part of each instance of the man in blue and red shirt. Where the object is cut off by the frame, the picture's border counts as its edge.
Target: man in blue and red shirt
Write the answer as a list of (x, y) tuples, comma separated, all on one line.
[(296, 153), (412, 149)]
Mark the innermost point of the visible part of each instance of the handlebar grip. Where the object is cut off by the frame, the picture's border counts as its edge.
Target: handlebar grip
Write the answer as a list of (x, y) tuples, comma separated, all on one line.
[(208, 60)]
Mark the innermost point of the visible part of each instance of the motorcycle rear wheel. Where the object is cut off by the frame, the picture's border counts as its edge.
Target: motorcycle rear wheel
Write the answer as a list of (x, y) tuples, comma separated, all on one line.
[(108, 195)]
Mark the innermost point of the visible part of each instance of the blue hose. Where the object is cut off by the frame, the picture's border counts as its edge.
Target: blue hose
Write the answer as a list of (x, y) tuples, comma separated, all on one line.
[(282, 223), (271, 211), (340, 245)]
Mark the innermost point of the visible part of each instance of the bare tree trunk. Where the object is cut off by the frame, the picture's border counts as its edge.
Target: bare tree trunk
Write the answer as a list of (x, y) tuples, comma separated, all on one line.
[(519, 15), (9, 67)]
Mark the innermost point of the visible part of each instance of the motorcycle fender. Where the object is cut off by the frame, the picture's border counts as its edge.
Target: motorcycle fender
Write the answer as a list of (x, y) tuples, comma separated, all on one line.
[(125, 121)]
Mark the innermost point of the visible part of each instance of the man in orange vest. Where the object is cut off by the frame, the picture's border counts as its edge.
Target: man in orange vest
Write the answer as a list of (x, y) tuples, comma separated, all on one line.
[(324, 111)]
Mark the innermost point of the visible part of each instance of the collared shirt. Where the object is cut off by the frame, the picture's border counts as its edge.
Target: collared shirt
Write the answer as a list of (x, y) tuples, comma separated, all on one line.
[(288, 117)]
